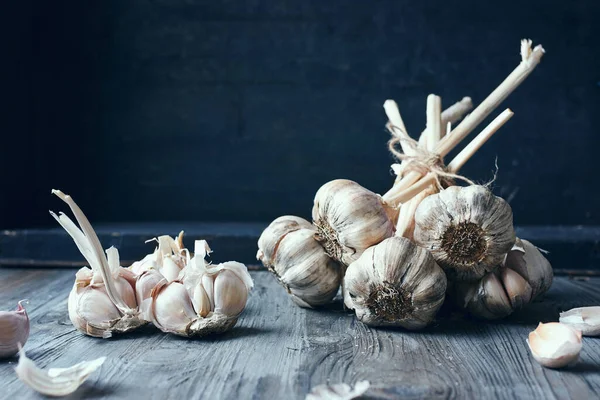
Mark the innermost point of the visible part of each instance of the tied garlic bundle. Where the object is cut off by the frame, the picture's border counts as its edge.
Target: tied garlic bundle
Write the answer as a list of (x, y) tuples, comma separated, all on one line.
[(204, 299), (14, 330), (103, 299), (524, 276), (395, 283)]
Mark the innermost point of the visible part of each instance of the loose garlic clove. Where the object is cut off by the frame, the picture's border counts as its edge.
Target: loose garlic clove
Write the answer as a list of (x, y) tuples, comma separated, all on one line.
[(467, 229), (103, 299), (288, 248), (55, 382), (349, 219), (584, 319), (395, 283), (14, 330), (528, 261), (555, 345)]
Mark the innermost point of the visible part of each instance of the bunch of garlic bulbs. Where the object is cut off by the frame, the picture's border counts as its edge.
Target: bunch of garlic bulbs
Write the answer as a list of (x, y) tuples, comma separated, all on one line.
[(178, 293)]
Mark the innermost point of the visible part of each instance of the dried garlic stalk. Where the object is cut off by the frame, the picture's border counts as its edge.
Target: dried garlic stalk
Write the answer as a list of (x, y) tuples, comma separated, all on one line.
[(55, 381)]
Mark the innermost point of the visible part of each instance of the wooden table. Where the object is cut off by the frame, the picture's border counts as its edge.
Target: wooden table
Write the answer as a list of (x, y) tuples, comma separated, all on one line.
[(280, 351)]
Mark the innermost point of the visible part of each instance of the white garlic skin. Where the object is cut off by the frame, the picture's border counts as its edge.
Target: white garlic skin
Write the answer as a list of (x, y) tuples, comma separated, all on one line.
[(555, 345), (211, 305), (584, 319), (395, 283), (349, 219), (288, 248), (14, 330), (91, 310), (467, 229)]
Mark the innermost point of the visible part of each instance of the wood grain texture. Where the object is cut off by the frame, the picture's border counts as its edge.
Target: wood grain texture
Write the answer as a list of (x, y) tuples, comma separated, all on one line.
[(280, 351)]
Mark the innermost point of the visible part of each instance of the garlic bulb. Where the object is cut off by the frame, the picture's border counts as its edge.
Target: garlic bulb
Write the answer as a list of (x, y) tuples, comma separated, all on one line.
[(55, 382), (395, 283), (524, 275), (169, 258), (207, 299), (103, 299), (288, 248), (349, 219), (14, 330), (467, 229), (527, 260), (584, 319), (555, 345)]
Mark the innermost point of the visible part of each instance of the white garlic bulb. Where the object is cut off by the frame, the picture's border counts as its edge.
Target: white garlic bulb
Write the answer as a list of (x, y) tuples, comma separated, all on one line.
[(584, 319), (288, 248), (349, 219), (14, 330), (467, 229), (207, 299), (103, 299), (395, 283), (524, 275), (555, 345)]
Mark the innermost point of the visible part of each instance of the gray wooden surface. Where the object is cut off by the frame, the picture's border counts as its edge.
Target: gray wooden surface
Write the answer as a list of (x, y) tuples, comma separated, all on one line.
[(279, 351)]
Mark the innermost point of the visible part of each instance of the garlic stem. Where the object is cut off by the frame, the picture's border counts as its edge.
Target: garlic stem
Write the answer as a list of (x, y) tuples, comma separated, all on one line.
[(434, 121), (456, 111), (466, 153), (393, 114)]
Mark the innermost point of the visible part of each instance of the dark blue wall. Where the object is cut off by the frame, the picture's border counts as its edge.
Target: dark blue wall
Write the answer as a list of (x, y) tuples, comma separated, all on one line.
[(231, 110)]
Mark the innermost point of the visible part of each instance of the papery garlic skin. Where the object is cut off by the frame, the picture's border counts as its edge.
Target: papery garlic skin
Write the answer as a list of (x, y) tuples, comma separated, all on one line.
[(55, 382), (14, 330), (395, 283), (288, 248), (528, 261), (169, 258), (207, 299), (555, 345), (467, 229), (584, 319), (349, 219)]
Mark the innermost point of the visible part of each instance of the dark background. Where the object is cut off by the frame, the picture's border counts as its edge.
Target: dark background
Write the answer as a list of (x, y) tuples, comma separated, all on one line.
[(238, 111)]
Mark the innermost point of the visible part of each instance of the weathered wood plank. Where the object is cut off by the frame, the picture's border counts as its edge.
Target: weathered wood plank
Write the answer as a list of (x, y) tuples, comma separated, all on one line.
[(280, 351)]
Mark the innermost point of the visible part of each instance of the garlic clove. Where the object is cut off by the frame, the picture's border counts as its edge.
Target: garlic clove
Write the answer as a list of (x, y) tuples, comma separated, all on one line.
[(467, 229), (485, 298), (528, 261), (230, 294), (144, 285), (395, 283), (584, 319), (172, 309), (55, 381), (201, 302), (14, 330), (555, 345), (517, 288), (170, 270), (208, 282), (349, 219)]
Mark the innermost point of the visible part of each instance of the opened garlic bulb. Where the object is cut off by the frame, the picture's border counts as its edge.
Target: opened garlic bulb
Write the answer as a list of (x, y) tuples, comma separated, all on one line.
[(349, 219), (555, 345), (395, 283), (207, 299), (14, 330), (169, 258), (288, 248), (524, 275), (584, 319), (467, 229), (103, 300)]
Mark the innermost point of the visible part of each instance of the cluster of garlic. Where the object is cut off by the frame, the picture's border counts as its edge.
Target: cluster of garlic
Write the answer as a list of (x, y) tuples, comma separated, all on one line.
[(177, 292), (395, 255)]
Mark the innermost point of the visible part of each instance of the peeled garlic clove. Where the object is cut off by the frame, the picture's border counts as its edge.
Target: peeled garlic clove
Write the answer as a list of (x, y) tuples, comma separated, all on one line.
[(467, 229), (528, 261), (230, 294), (485, 298), (172, 310), (55, 381), (299, 262), (517, 288), (395, 283), (14, 330), (349, 219), (584, 319), (555, 345)]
